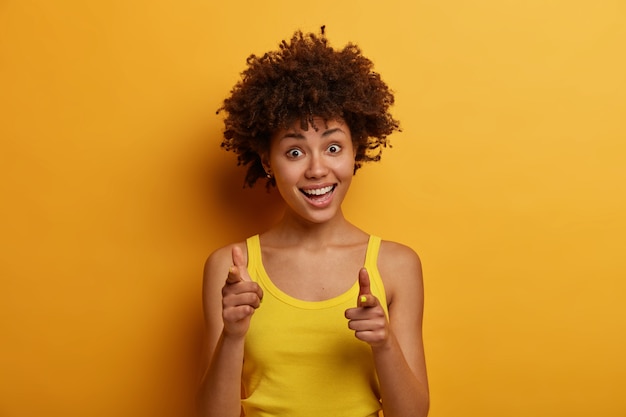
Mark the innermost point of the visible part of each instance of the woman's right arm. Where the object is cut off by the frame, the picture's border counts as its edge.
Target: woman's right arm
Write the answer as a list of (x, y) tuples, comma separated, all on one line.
[(229, 300)]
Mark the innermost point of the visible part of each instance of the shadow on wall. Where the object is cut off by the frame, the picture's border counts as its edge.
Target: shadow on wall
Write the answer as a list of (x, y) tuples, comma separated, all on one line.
[(236, 212), (182, 362), (218, 211)]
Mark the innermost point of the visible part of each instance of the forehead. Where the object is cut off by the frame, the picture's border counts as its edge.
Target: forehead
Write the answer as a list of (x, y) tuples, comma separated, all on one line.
[(318, 126)]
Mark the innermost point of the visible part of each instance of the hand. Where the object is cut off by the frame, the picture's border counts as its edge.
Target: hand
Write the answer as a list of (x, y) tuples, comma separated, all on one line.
[(368, 319), (240, 297)]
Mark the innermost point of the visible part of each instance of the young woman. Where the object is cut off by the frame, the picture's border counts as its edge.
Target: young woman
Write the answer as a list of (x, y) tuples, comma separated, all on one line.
[(313, 317)]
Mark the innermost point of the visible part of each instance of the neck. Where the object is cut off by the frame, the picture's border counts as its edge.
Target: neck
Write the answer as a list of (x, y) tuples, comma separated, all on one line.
[(295, 231)]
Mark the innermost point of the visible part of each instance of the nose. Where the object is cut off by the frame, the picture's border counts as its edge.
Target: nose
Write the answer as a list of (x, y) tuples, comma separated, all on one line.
[(317, 167)]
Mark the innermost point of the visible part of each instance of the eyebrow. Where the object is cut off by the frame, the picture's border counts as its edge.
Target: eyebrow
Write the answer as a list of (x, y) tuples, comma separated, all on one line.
[(294, 135)]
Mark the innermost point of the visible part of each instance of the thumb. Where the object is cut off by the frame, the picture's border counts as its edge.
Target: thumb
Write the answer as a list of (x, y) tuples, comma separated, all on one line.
[(366, 299)]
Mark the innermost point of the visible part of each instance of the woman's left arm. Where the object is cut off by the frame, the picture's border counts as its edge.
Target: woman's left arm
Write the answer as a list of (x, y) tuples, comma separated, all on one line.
[(397, 344), (399, 360)]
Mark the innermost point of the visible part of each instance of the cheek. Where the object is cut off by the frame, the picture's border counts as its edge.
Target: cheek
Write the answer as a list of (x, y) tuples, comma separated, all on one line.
[(347, 166), (284, 171), (286, 179)]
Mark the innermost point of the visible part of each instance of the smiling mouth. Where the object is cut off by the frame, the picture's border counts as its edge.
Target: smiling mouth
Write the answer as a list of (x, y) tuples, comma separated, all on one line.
[(318, 194)]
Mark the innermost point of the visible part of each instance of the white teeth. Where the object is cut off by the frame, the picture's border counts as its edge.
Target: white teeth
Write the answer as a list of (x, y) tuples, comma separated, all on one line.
[(319, 191)]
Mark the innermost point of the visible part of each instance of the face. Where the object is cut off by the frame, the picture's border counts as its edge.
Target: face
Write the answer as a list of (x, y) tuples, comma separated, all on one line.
[(313, 168)]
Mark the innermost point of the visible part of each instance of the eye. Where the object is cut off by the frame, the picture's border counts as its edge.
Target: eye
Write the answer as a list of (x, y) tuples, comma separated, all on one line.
[(334, 148), (294, 153)]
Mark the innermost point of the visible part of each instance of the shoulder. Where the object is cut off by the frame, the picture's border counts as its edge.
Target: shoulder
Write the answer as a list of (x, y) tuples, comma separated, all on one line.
[(395, 256), (223, 256), (400, 269)]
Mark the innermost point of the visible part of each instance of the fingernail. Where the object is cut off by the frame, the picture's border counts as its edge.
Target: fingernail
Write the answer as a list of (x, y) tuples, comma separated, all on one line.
[(363, 299)]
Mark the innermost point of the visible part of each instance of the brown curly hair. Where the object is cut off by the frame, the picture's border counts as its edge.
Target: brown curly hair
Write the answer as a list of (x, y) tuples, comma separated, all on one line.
[(306, 78)]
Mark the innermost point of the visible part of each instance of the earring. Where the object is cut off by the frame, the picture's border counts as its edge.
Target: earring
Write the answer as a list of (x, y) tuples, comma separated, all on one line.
[(268, 176)]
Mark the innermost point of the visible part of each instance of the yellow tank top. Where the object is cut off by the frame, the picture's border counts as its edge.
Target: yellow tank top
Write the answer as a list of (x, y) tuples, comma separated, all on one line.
[(301, 359)]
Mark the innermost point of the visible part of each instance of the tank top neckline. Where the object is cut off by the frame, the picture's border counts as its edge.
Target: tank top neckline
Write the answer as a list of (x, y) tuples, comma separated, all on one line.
[(267, 283)]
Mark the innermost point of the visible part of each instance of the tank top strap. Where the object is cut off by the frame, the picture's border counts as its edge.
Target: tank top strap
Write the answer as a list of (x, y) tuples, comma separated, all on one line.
[(371, 256), (253, 244)]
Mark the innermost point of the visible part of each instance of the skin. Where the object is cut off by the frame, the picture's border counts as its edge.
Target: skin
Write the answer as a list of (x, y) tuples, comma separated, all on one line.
[(314, 254)]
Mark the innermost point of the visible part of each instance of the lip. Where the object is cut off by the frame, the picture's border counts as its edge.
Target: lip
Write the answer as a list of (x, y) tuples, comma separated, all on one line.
[(316, 201), (317, 186)]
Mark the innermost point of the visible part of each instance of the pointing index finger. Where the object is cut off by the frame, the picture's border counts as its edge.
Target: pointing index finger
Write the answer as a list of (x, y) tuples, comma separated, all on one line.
[(366, 299), (233, 275), (364, 282), (238, 271), (237, 256)]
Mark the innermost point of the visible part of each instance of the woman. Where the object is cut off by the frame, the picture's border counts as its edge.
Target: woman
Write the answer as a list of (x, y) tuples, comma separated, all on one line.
[(313, 317)]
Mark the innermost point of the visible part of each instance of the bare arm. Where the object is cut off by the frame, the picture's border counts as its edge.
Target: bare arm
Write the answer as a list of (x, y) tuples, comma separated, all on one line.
[(396, 344), (229, 298)]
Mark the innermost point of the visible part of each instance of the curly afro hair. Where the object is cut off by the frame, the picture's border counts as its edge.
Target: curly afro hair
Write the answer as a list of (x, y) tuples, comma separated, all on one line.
[(306, 78)]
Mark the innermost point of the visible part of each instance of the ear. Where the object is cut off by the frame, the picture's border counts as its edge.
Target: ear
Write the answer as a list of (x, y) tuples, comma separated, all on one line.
[(265, 161)]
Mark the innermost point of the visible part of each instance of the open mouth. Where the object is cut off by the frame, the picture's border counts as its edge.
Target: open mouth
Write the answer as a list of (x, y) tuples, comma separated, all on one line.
[(318, 194)]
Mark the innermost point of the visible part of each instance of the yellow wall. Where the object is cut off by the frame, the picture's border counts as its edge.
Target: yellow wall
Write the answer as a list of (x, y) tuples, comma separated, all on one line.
[(509, 178)]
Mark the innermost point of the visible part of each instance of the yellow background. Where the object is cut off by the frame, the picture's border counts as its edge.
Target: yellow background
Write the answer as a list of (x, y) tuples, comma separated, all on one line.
[(509, 179)]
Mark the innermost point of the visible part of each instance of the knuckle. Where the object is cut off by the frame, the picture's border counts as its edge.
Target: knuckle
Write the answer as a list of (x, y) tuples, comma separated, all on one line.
[(251, 298), (227, 315), (226, 290)]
